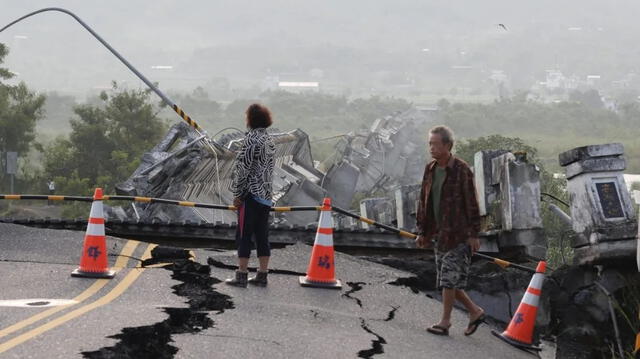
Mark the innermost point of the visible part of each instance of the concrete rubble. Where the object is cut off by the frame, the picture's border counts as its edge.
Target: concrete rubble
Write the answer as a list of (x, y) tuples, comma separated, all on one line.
[(383, 158)]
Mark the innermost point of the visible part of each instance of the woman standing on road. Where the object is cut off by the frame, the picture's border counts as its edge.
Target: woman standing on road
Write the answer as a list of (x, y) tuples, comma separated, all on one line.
[(252, 190)]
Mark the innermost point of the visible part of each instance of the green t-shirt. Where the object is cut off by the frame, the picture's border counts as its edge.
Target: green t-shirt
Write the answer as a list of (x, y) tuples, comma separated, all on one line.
[(436, 190)]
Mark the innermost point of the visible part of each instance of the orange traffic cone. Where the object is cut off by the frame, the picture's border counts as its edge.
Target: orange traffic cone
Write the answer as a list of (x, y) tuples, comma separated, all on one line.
[(321, 270), (93, 261), (519, 333)]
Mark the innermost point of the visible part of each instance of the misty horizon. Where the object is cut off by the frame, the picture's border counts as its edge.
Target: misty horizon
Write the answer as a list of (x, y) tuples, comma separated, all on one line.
[(353, 48)]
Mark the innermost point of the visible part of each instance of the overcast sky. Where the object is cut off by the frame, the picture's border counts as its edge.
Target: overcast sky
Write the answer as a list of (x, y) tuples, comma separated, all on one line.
[(52, 52)]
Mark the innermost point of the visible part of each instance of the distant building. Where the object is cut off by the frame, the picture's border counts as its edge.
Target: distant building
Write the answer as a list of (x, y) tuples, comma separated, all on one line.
[(555, 79), (498, 76), (299, 86), (293, 81), (592, 80)]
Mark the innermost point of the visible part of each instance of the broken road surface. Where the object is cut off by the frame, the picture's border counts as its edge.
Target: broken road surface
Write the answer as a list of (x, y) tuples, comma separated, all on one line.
[(168, 306)]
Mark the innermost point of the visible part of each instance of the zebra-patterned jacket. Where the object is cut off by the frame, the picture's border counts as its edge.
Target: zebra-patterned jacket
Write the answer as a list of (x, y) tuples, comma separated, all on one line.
[(253, 171)]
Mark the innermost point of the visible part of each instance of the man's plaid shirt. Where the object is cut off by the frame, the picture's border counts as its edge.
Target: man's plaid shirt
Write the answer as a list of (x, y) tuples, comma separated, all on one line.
[(460, 216)]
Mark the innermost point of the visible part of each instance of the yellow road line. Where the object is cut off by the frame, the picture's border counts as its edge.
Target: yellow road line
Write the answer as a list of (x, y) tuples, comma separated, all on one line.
[(122, 260), (120, 288)]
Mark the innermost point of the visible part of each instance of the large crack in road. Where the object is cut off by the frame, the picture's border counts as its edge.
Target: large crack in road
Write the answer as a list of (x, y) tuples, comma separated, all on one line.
[(152, 341), (218, 264), (355, 287), (378, 343), (392, 314)]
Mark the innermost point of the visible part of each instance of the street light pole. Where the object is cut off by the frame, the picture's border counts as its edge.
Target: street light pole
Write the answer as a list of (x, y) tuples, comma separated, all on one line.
[(155, 89)]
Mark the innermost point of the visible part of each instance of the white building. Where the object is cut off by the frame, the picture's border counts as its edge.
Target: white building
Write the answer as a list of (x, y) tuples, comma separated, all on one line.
[(299, 86)]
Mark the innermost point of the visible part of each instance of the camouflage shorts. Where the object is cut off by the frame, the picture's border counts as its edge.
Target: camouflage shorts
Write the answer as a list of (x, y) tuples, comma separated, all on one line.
[(453, 267)]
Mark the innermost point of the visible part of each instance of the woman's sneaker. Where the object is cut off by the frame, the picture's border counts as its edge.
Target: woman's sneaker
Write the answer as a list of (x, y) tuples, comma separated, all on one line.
[(260, 279), (239, 281)]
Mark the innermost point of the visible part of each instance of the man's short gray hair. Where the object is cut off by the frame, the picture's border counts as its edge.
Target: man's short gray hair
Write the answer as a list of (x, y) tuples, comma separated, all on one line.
[(446, 134)]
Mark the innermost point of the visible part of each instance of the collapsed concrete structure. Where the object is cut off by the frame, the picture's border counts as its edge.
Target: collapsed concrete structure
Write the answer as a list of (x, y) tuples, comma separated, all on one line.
[(377, 171), (185, 166)]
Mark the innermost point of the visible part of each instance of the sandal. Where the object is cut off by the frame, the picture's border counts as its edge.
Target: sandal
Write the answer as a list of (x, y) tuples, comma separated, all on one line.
[(473, 326), (438, 330)]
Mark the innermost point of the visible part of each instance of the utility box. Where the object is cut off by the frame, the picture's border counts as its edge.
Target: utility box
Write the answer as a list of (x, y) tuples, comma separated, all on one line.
[(602, 213)]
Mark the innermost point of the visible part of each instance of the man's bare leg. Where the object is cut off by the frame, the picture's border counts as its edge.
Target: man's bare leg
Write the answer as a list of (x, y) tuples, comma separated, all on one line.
[(448, 297), (474, 310)]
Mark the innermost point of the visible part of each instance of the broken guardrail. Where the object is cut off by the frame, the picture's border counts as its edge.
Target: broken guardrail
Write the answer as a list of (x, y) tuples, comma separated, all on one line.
[(501, 262)]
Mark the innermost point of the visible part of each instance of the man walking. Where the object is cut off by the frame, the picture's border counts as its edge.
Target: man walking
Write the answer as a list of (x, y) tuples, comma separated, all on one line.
[(448, 216)]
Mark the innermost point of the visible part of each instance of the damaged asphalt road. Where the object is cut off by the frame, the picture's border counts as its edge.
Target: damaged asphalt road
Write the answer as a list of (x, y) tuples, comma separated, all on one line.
[(153, 341), (368, 318), (179, 308)]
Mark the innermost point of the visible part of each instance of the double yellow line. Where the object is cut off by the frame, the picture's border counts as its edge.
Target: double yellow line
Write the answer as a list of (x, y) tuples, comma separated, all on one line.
[(120, 288)]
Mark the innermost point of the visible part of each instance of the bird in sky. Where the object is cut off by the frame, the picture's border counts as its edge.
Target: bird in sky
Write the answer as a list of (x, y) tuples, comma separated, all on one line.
[(502, 26)]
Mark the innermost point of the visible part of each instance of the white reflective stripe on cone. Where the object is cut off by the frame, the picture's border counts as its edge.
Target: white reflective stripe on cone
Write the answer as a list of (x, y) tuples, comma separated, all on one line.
[(326, 221), (324, 239), (96, 210), (536, 281), (531, 299), (95, 229)]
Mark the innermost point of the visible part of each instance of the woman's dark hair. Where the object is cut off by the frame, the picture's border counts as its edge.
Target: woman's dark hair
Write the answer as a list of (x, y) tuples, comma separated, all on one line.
[(258, 116)]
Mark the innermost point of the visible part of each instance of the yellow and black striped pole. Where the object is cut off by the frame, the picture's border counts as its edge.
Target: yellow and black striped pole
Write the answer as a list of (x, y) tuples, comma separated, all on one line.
[(501, 262), (186, 118), (374, 223), (146, 200), (154, 88), (45, 197)]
